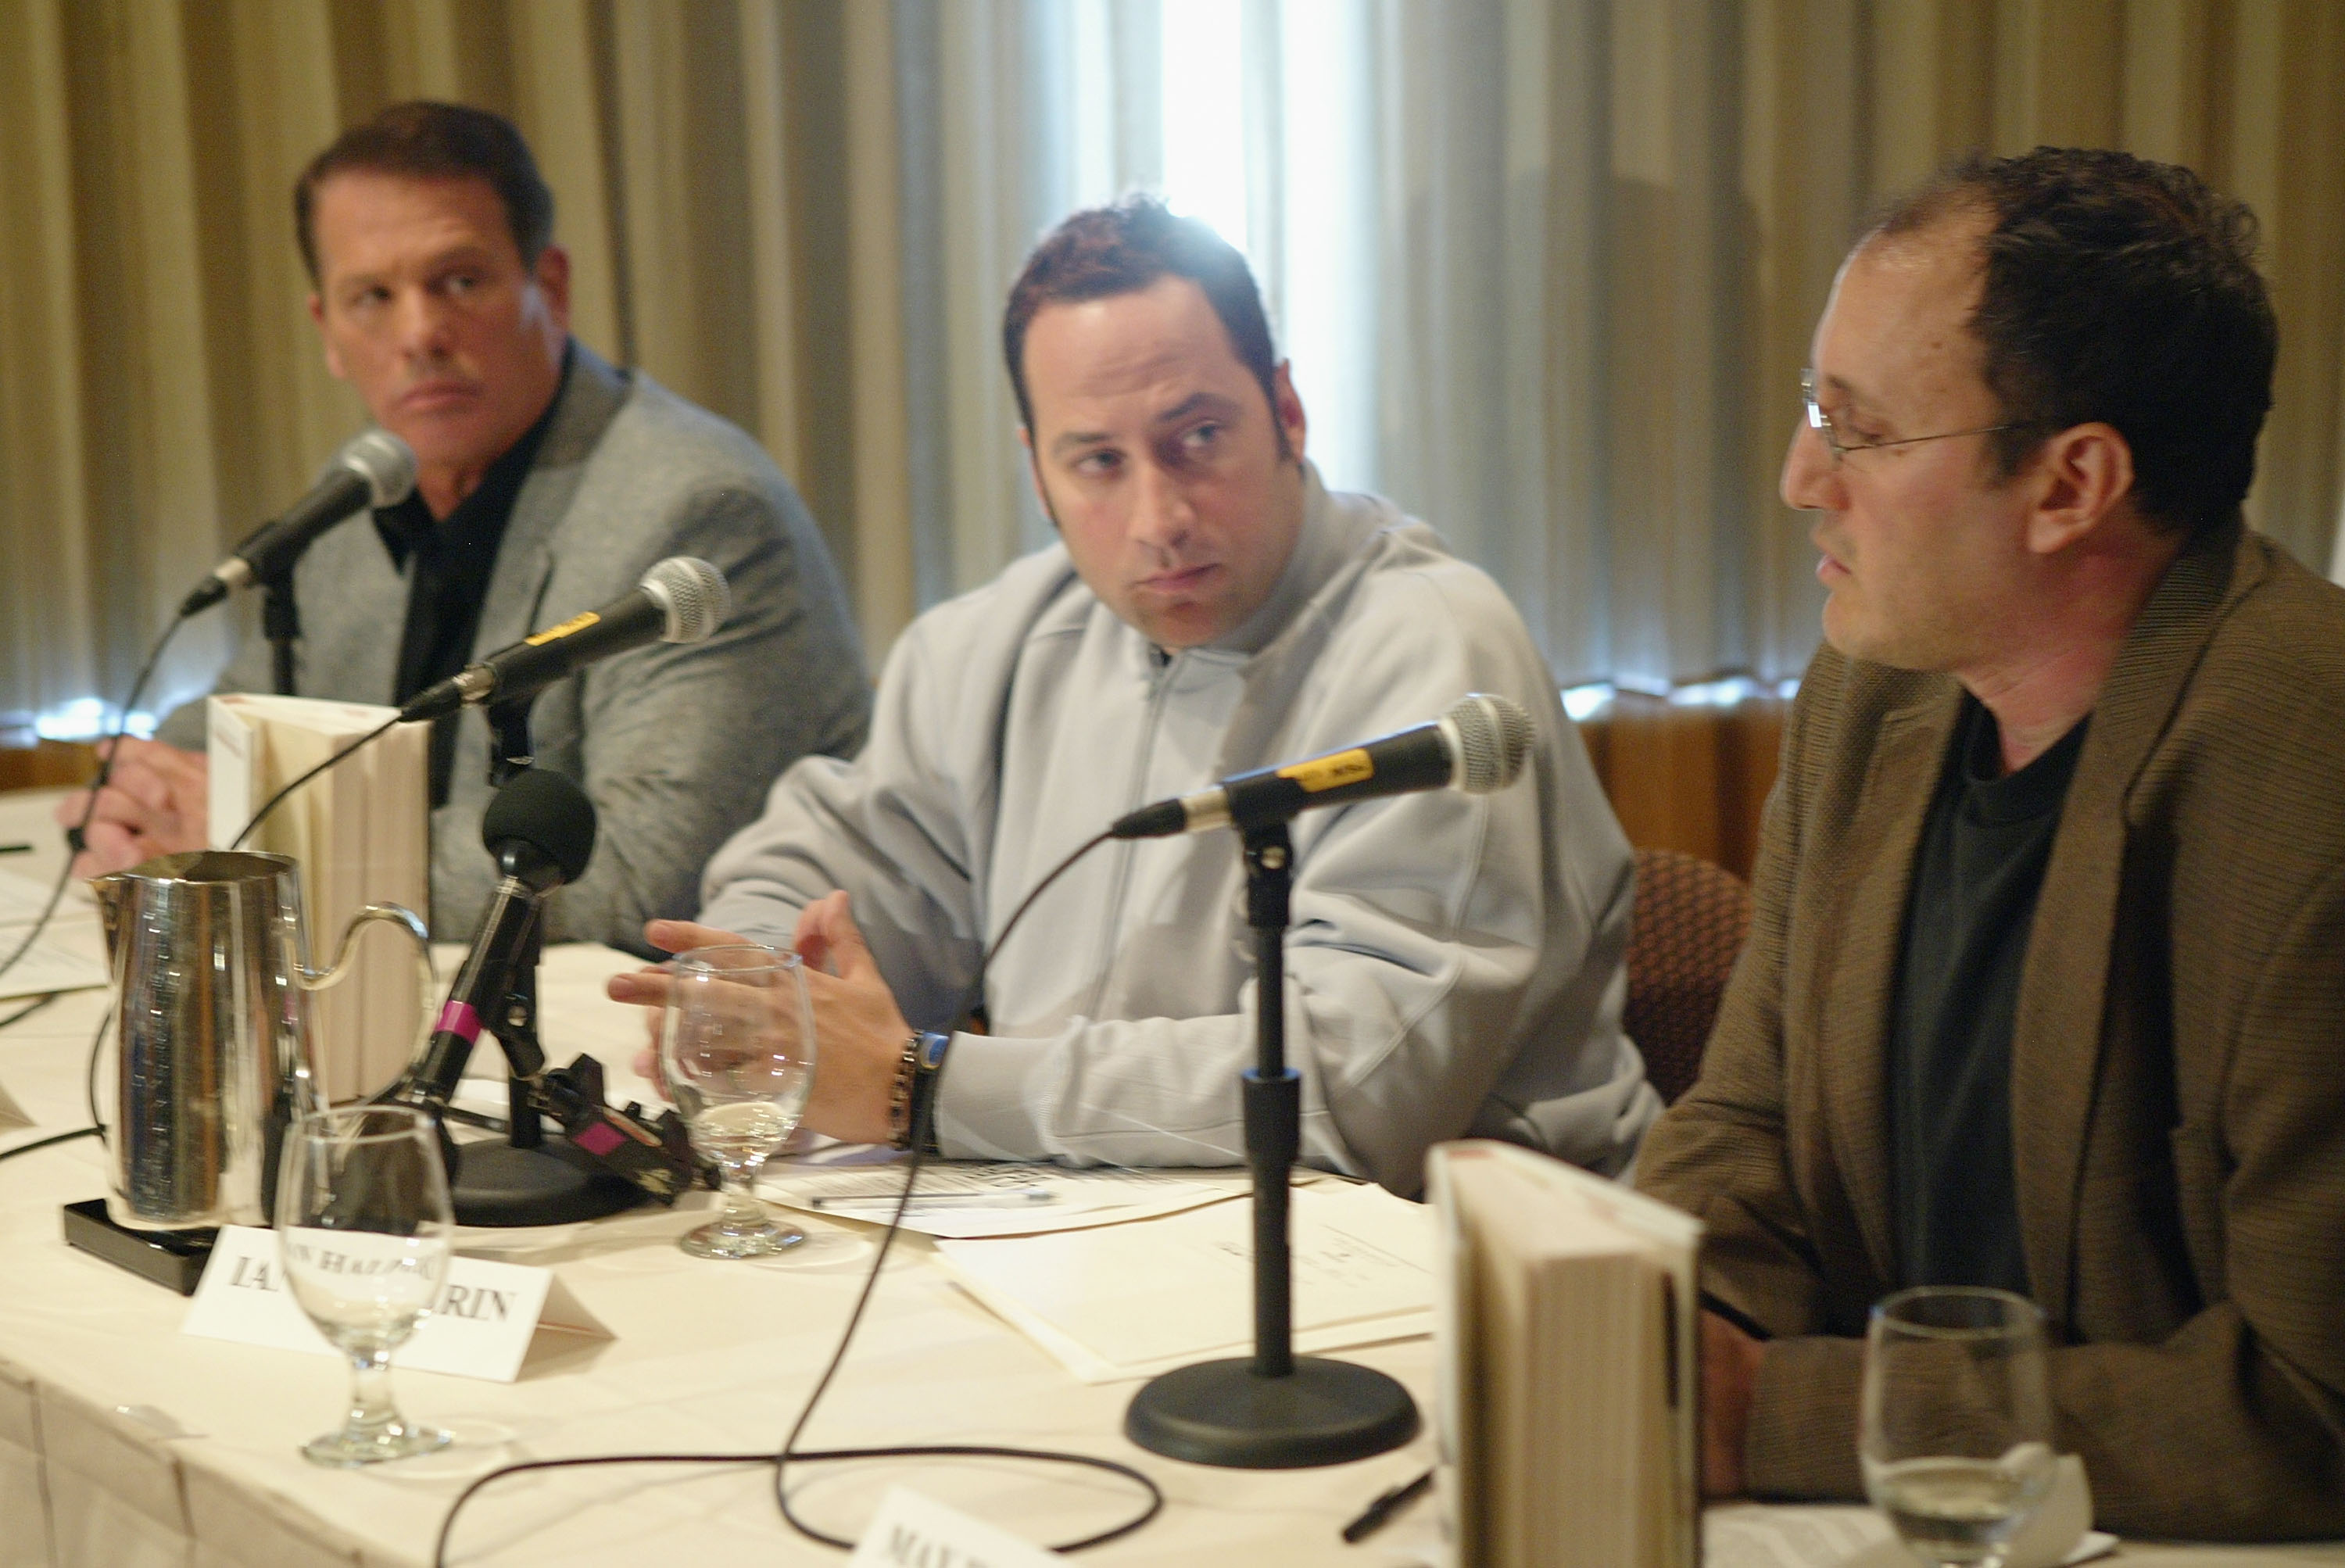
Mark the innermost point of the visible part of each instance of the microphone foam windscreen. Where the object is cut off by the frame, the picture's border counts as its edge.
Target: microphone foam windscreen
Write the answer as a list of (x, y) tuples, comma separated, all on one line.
[(694, 595), (386, 462), (547, 811), (1494, 737)]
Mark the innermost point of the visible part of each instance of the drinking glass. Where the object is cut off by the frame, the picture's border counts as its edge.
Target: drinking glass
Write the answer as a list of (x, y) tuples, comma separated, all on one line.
[(1956, 1435), (738, 1050), (363, 1232)]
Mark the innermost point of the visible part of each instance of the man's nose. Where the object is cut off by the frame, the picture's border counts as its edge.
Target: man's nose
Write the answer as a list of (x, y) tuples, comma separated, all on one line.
[(1161, 515), (1812, 480), (424, 323)]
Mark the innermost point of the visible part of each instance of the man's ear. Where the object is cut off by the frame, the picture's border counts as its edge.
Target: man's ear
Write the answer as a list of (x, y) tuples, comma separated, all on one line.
[(2084, 476), (325, 340), (1034, 473), (1287, 408), (552, 276)]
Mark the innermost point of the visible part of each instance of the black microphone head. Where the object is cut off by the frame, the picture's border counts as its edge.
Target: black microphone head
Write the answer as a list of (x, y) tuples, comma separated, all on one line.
[(1493, 738), (546, 811), (692, 594), (386, 462)]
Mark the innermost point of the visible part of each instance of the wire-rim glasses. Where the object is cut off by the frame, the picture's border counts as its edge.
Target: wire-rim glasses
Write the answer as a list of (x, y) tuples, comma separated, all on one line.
[(1820, 422)]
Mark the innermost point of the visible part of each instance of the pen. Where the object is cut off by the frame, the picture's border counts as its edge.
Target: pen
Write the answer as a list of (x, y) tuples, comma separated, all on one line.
[(1007, 1197), (1377, 1514), (15, 849)]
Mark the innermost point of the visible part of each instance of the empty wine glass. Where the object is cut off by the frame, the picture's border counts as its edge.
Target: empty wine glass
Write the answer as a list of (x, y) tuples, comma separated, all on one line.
[(738, 1050), (363, 1231), (1956, 1435)]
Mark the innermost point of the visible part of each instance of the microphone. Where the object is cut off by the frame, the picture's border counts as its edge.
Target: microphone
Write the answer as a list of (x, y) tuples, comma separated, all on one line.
[(541, 828), (374, 468), (1478, 746), (680, 600)]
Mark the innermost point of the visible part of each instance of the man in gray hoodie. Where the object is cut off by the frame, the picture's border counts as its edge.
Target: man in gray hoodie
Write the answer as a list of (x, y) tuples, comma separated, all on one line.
[(1454, 962)]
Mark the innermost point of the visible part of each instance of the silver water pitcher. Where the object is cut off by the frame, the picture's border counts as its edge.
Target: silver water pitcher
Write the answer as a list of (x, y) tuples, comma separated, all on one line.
[(211, 1018)]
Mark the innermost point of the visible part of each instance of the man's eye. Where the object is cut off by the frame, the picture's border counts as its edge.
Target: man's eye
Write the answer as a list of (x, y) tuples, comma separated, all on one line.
[(1851, 432), (1199, 437), (1099, 463)]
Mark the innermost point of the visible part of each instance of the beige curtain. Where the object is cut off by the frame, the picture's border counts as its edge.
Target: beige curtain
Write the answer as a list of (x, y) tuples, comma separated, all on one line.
[(725, 178), (1613, 223), (1571, 284)]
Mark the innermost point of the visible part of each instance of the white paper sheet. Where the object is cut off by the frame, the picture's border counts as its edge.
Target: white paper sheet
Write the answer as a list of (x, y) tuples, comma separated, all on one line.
[(22, 897), (1132, 1300), (47, 967), (1072, 1198)]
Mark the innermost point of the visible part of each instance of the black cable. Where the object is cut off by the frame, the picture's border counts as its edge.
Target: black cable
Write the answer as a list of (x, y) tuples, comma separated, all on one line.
[(29, 1009), (278, 799), (54, 1139), (96, 1128), (923, 1115), (76, 838)]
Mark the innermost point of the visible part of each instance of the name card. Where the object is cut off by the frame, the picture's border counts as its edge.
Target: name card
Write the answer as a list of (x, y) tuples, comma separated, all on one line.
[(481, 1328), (915, 1530)]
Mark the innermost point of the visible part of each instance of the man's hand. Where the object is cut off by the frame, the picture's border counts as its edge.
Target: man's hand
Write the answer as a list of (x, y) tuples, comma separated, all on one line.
[(860, 1032), (157, 801), (1729, 1370)]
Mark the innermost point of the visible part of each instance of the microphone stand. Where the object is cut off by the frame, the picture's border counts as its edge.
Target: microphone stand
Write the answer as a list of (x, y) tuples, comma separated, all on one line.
[(280, 622), (527, 1179), (1272, 1412)]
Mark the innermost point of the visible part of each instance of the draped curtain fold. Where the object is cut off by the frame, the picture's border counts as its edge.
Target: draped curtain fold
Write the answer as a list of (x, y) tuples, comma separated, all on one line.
[(1547, 267)]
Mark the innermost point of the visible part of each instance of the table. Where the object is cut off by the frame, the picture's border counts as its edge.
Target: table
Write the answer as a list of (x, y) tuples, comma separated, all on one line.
[(707, 1357), (124, 1445)]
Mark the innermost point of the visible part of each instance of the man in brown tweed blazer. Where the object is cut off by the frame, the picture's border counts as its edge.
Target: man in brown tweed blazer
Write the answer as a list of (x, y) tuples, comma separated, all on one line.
[(2046, 986)]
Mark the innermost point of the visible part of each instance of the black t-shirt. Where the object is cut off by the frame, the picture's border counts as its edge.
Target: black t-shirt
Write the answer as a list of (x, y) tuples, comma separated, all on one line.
[(1976, 880), (454, 558)]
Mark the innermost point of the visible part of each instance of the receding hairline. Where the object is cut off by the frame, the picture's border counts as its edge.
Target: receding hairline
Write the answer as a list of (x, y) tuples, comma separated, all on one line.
[(1221, 329)]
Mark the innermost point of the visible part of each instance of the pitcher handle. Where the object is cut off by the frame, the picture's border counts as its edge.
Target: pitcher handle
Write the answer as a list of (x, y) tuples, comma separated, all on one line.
[(406, 919)]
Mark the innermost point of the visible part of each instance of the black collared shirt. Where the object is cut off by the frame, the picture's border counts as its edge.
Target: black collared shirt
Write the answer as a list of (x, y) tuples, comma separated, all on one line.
[(453, 559), (1955, 1193)]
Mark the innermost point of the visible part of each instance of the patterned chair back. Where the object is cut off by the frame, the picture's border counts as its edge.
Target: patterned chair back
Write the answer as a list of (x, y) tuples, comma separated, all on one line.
[(1686, 928)]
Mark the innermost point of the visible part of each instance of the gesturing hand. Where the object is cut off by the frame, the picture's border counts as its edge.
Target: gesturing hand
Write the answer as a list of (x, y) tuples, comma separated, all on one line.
[(860, 1032)]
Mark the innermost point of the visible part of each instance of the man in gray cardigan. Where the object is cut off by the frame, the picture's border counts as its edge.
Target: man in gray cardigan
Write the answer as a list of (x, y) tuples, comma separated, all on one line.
[(547, 481)]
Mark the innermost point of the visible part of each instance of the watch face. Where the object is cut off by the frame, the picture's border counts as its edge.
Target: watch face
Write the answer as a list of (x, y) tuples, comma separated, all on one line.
[(933, 1047)]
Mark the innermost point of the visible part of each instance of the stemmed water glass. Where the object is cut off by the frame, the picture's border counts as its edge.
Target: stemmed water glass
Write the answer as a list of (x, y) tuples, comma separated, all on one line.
[(738, 1050), (1955, 1434), (363, 1233)]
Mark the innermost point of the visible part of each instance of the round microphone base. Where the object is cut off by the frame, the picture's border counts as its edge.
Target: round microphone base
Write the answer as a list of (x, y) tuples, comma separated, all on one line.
[(1226, 1413), (499, 1185)]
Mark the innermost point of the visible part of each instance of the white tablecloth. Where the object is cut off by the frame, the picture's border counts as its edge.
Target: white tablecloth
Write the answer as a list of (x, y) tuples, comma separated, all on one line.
[(124, 1443)]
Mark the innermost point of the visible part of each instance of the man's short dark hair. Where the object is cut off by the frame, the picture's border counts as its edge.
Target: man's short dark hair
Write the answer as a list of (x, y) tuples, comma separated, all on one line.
[(1126, 247), (426, 140), (2120, 290)]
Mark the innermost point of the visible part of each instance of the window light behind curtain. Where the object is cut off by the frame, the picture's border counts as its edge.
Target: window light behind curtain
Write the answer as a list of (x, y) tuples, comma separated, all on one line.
[(1418, 191), (1547, 269)]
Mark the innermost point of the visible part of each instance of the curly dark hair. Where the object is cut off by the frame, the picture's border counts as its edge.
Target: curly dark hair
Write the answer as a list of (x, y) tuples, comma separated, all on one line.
[(429, 140), (1121, 248), (2124, 291)]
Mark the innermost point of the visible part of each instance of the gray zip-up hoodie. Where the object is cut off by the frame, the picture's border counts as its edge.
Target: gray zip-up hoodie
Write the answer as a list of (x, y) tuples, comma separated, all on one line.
[(1453, 965)]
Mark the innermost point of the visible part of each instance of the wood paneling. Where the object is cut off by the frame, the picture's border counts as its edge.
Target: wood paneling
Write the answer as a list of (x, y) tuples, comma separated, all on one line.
[(1688, 777), (45, 764)]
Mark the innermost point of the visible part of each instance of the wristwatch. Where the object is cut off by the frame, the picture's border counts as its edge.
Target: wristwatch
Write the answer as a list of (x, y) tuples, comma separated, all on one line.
[(912, 1104)]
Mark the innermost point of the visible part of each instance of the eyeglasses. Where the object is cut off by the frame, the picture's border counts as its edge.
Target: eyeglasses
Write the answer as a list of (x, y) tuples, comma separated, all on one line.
[(1820, 422)]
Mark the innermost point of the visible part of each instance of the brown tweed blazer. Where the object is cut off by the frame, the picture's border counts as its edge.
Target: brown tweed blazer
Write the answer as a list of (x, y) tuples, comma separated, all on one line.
[(2178, 1073)]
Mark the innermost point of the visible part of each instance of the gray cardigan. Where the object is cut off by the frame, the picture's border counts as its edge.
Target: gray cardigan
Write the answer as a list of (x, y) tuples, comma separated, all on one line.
[(676, 745)]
